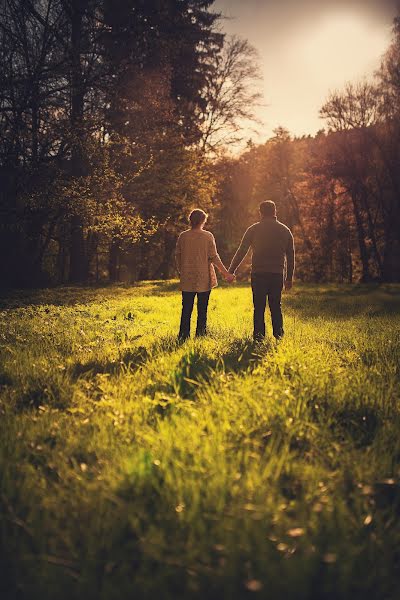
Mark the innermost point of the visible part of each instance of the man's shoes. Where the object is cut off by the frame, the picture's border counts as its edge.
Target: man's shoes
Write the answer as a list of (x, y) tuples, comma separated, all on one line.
[(182, 338), (201, 333), (258, 337)]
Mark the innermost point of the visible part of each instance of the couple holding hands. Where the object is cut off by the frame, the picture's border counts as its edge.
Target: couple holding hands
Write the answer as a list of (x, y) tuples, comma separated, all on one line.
[(272, 269)]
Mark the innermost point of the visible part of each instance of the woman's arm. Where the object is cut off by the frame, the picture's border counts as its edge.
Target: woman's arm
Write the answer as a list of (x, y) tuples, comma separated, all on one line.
[(217, 262), (214, 257)]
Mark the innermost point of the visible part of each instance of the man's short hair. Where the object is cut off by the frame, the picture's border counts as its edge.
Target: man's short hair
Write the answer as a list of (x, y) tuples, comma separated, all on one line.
[(197, 217), (268, 208)]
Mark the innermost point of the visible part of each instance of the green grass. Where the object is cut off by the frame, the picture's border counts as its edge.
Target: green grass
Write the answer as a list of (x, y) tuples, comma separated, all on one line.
[(134, 467)]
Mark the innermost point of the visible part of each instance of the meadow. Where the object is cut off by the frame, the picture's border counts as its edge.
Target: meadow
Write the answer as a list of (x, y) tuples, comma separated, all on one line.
[(132, 466)]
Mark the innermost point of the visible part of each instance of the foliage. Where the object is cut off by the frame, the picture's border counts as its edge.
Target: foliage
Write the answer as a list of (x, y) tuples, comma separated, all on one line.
[(339, 190), (100, 125)]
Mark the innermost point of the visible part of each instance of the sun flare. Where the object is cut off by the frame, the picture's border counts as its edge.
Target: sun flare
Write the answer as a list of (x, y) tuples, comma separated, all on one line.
[(341, 46)]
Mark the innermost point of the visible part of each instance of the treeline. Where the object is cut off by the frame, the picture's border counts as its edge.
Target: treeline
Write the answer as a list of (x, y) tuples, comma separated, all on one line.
[(109, 113), (339, 191), (115, 117)]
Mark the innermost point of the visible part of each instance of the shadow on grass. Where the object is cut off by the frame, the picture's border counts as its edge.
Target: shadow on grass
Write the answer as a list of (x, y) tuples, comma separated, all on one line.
[(344, 301), (309, 300), (196, 368), (59, 296), (5, 379), (71, 296), (38, 392), (133, 359), (360, 424)]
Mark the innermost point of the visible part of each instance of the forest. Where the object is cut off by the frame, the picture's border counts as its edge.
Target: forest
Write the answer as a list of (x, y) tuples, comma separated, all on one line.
[(119, 117), (136, 462)]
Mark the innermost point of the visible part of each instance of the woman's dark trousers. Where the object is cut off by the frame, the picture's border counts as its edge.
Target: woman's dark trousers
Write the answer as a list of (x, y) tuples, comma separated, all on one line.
[(187, 309), (268, 285)]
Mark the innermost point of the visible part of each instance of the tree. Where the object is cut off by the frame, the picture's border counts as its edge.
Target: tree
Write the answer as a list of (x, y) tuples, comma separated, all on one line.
[(31, 94), (78, 111), (363, 157), (353, 115), (154, 104), (230, 95)]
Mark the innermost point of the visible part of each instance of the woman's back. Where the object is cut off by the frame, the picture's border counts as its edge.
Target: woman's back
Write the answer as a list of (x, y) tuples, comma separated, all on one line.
[(195, 251)]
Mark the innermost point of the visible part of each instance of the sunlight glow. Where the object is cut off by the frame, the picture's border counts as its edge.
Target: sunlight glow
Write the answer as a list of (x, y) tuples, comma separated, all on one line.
[(310, 62), (307, 49), (342, 46)]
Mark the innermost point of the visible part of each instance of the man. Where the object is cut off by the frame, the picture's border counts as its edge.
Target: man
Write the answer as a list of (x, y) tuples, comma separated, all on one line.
[(273, 246)]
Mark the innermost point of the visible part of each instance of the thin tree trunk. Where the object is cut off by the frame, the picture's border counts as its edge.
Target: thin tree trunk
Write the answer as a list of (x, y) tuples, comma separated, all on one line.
[(78, 262), (97, 263), (387, 266), (361, 238), (163, 270), (371, 231), (92, 241), (61, 259), (113, 260)]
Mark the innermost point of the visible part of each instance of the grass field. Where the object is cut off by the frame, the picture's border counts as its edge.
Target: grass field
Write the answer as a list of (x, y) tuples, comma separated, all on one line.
[(134, 467)]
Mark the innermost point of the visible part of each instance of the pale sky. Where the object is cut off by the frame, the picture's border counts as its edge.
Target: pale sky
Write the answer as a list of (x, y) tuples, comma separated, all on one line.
[(308, 48)]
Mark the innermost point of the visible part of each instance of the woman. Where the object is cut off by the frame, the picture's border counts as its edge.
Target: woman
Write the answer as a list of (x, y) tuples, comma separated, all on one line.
[(196, 255)]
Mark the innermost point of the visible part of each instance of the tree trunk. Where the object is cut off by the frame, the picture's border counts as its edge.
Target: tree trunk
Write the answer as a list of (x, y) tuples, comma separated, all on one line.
[(113, 260), (144, 262), (371, 231), (163, 270), (61, 260), (97, 264), (78, 263), (391, 226), (35, 123), (92, 242), (361, 238), (350, 259)]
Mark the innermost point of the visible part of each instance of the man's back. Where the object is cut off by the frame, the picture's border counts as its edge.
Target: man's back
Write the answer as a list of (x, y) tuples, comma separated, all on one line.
[(272, 245), (271, 242)]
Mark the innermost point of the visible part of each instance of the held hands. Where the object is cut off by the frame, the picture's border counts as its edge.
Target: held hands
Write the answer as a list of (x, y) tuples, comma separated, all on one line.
[(230, 277)]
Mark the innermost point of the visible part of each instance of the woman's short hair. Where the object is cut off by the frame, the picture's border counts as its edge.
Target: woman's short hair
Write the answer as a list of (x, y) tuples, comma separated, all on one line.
[(197, 217)]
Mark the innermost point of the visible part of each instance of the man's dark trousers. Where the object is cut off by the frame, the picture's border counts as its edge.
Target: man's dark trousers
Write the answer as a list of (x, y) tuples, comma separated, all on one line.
[(271, 285), (187, 309)]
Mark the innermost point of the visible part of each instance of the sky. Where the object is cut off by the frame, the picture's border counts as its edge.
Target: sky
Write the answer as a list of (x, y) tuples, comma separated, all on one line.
[(308, 48)]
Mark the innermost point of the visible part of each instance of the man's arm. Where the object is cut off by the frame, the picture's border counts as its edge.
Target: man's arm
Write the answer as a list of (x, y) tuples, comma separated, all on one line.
[(290, 261), (242, 250), (215, 258)]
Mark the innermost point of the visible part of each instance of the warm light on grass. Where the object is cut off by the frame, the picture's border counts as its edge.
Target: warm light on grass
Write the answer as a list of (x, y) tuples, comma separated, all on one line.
[(130, 463)]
